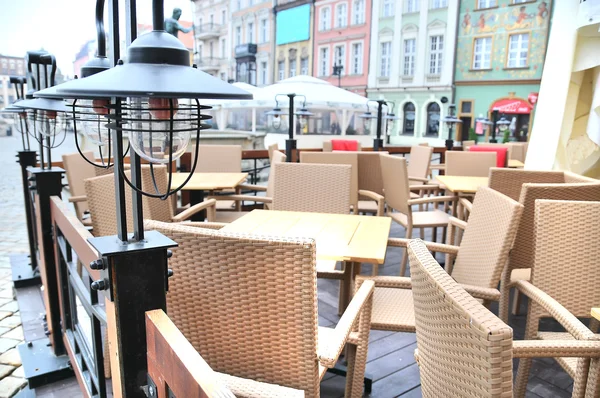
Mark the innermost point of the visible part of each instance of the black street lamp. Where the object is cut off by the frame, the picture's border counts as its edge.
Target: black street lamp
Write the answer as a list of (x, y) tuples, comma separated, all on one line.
[(484, 121), (303, 115), (377, 142), (338, 68), (451, 121), (502, 124)]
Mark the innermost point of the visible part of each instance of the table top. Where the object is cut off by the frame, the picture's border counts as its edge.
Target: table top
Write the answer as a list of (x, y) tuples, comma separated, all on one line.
[(340, 237), (596, 313), (208, 181), (516, 164), (461, 183)]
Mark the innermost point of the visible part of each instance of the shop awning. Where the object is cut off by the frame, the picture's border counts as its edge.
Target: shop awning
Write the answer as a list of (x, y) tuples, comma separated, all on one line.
[(512, 106)]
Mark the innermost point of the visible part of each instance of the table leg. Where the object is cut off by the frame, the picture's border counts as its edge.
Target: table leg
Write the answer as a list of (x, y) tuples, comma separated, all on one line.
[(195, 198), (351, 269)]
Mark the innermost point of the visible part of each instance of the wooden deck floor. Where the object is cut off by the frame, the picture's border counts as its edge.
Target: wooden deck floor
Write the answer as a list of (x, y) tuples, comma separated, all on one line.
[(391, 362)]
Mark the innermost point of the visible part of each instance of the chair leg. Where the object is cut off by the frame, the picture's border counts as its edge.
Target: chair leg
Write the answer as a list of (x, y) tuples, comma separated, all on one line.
[(593, 385), (581, 376), (405, 255), (345, 287), (434, 239), (516, 302), (503, 304)]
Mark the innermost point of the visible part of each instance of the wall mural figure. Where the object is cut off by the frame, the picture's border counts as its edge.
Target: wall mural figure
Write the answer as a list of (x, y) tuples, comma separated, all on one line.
[(521, 18), (542, 13), (466, 23)]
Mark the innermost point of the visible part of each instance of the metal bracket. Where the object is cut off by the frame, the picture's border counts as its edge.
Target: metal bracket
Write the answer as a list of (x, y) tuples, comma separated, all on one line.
[(152, 390)]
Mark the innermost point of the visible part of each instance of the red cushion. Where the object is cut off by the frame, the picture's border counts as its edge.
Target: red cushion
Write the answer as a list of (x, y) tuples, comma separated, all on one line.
[(501, 153), (344, 145)]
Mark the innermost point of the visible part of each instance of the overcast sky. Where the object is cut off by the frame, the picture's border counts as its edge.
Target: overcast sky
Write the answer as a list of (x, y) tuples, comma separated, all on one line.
[(62, 26)]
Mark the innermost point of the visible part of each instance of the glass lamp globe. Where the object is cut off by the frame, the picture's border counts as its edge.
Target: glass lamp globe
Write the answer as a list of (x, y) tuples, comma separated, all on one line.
[(276, 122), (92, 120), (149, 126)]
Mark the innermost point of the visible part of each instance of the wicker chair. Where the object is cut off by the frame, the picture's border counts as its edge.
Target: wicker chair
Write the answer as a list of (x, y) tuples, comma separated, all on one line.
[(328, 146), (493, 225), (219, 159), (272, 148), (77, 170), (468, 143), (471, 164), (419, 162), (463, 350), (248, 305), (398, 198), (350, 158), (370, 183)]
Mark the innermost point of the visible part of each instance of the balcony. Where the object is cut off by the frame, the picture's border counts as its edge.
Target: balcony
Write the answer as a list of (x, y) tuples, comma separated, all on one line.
[(209, 63), (208, 31)]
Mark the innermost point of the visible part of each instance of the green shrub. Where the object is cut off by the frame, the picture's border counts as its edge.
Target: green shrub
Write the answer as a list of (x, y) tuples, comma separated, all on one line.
[(472, 135)]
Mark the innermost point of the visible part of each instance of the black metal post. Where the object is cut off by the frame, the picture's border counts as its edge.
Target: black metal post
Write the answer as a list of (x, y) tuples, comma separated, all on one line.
[(290, 143), (450, 141), (494, 120), (378, 141), (26, 273)]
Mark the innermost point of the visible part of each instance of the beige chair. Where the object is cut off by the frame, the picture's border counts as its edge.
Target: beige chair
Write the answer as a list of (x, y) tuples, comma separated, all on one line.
[(565, 267), (272, 148), (471, 164), (248, 305), (463, 350), (327, 146), (370, 183), (349, 158), (493, 226), (77, 170), (399, 202), (419, 162), (219, 159), (468, 143)]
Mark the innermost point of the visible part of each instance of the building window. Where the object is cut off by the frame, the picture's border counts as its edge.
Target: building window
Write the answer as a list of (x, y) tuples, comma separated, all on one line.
[(410, 52), (211, 48), (238, 35), (264, 30), (263, 73), (250, 3), (412, 5), (223, 48), (324, 62), (486, 3), (436, 51), (357, 59), (518, 50), (408, 126), (250, 33), (433, 119), (340, 55), (341, 15), (200, 50), (292, 68), (223, 76), (386, 59), (388, 8), (520, 1), (304, 66), (482, 53), (211, 20), (438, 4), (239, 4), (281, 70), (325, 18), (359, 12), (223, 17)]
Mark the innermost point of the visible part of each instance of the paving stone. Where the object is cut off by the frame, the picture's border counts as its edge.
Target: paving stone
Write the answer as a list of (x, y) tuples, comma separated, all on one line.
[(16, 333), (11, 357), (7, 293), (5, 370), (4, 301), (5, 314), (13, 306), (11, 321), (6, 343), (10, 385), (19, 372)]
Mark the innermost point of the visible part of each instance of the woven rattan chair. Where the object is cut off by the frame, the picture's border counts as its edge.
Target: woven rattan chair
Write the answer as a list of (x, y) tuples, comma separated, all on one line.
[(463, 350), (272, 148), (370, 183), (419, 162), (77, 170), (492, 226), (468, 143), (528, 186), (349, 158), (248, 305), (399, 202), (328, 146), (471, 164), (219, 159)]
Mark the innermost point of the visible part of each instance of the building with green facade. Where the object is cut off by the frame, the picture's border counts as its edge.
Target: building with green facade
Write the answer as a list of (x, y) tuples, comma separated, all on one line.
[(411, 64), (501, 46)]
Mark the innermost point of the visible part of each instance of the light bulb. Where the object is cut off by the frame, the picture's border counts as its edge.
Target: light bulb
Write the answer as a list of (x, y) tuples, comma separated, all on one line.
[(276, 122)]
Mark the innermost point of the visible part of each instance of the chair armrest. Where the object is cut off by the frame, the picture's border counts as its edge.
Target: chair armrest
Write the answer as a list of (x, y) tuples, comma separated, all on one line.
[(437, 166), (77, 199), (251, 187), (398, 282), (556, 310), (252, 388), (484, 293), (428, 187), (209, 205), (467, 204), (330, 352), (204, 224), (431, 199), (376, 197), (455, 222), (250, 198), (418, 179), (433, 246), (556, 348)]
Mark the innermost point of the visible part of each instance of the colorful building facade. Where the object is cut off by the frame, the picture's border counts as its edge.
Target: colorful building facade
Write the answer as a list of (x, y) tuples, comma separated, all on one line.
[(411, 65), (212, 32), (501, 48), (342, 33)]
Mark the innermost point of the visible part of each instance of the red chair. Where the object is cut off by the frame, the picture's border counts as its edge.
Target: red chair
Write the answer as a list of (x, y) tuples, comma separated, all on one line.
[(344, 145), (501, 153)]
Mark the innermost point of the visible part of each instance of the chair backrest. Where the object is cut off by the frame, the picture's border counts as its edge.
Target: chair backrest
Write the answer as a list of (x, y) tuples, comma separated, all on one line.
[(272, 148), (463, 349), (369, 172), (493, 224), (318, 188), (518, 150), (219, 159), (521, 255), (328, 145), (156, 208), (248, 304), (100, 192), (510, 181), (77, 170), (468, 143), (472, 164), (508, 146), (278, 157), (419, 161), (566, 253), (501, 153), (395, 183), (350, 158)]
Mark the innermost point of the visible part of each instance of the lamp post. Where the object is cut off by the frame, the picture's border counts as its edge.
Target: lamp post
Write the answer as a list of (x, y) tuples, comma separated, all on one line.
[(390, 118), (377, 141), (484, 121), (502, 124), (451, 121), (303, 115), (154, 97), (338, 68)]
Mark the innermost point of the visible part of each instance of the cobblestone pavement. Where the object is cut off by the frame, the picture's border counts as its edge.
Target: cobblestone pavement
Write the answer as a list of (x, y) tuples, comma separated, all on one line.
[(13, 240)]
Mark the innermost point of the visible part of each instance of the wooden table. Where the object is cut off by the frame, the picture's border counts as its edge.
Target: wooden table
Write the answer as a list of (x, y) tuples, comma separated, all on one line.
[(515, 164), (462, 184), (339, 237), (201, 182)]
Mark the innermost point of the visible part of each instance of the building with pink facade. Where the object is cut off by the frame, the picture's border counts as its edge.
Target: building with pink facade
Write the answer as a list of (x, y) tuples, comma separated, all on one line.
[(342, 31)]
